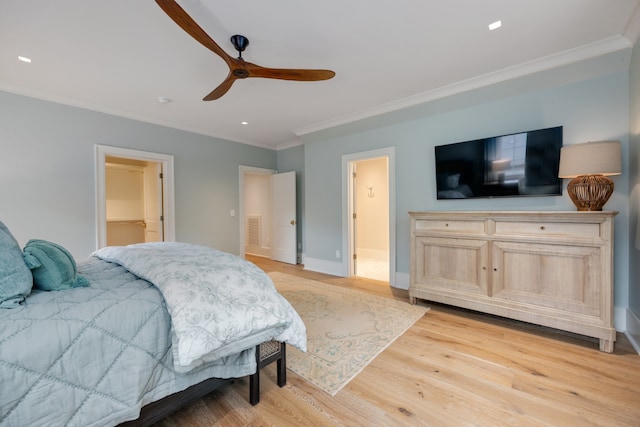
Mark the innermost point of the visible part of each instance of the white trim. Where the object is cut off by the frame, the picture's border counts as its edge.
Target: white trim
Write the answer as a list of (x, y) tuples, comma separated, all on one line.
[(582, 53), (632, 32), (333, 268), (242, 170), (347, 160), (92, 106), (101, 153)]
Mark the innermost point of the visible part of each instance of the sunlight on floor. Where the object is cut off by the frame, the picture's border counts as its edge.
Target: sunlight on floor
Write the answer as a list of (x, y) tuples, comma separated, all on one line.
[(373, 269)]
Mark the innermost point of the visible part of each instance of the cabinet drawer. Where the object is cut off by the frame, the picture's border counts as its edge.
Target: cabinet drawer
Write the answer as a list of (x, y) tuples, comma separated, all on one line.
[(542, 228), (468, 226)]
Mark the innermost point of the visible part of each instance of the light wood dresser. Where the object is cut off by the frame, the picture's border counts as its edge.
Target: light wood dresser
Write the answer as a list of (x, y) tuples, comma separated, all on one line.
[(548, 268)]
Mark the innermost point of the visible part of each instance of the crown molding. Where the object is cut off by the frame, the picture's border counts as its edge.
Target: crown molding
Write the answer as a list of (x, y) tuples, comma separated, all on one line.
[(582, 53)]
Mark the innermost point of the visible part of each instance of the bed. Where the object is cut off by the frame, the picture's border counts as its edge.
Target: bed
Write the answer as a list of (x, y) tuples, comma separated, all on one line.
[(134, 330)]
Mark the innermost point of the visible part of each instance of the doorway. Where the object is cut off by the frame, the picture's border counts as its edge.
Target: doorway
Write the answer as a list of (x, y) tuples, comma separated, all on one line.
[(255, 212), (134, 196), (268, 217), (134, 201), (371, 218), (369, 214)]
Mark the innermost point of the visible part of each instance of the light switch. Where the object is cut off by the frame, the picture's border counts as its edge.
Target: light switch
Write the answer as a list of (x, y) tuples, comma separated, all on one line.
[(233, 212)]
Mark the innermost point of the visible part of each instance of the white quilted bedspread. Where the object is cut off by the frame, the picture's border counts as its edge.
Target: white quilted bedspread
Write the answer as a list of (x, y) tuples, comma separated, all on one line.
[(219, 303)]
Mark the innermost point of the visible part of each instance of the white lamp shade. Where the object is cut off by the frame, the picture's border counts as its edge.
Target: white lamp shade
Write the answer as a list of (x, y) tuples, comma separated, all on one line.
[(591, 158), (500, 165)]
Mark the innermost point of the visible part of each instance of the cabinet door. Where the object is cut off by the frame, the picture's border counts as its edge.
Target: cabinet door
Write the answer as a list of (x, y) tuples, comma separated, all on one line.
[(559, 277), (458, 265)]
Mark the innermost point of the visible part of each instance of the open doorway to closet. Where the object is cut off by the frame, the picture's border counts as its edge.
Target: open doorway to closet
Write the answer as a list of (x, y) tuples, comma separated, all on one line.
[(134, 201), (134, 197), (370, 214)]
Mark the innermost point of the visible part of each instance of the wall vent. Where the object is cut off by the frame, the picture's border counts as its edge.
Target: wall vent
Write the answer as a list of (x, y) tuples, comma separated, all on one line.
[(254, 230)]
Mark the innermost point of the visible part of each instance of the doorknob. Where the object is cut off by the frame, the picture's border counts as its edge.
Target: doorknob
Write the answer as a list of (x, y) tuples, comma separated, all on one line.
[(293, 222)]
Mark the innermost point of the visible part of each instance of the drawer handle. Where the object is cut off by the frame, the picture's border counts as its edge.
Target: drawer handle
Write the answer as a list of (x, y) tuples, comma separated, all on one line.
[(542, 227), (495, 269), (446, 225)]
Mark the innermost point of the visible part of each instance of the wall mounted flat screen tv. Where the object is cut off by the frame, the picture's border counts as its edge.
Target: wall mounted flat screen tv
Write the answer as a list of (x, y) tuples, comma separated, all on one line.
[(519, 164)]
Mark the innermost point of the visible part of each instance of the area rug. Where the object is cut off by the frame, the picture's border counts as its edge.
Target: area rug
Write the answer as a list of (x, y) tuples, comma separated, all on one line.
[(346, 329)]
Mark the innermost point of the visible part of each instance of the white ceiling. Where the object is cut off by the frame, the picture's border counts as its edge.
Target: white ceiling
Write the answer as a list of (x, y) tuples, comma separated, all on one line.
[(119, 56)]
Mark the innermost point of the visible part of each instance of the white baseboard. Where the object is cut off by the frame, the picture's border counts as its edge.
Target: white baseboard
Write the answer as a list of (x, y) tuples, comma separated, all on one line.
[(632, 330), (324, 266), (338, 269), (402, 281)]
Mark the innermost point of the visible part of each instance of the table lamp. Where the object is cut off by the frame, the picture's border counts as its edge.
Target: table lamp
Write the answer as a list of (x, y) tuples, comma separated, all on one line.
[(589, 164)]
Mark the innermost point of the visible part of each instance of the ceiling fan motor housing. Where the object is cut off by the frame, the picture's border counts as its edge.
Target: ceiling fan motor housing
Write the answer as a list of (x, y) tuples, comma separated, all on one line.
[(240, 43)]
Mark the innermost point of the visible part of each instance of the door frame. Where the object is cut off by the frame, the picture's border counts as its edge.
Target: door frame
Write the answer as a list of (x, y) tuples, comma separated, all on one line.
[(347, 207), (154, 204), (101, 153), (242, 170)]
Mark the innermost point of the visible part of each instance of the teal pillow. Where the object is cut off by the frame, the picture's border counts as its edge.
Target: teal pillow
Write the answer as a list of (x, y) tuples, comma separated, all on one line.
[(52, 266), (15, 278)]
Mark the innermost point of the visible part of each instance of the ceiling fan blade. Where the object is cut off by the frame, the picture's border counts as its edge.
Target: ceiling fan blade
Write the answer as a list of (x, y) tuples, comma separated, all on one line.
[(221, 89), (187, 23), (288, 73)]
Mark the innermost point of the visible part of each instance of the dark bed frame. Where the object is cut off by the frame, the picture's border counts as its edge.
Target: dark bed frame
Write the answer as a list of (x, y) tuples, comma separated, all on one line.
[(266, 353)]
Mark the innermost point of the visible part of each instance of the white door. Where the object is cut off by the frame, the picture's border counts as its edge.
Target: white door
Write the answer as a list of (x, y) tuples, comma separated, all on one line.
[(153, 204), (283, 217)]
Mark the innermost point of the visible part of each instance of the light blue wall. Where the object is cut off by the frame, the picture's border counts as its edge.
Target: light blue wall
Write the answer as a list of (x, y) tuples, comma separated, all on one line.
[(590, 110), (47, 177), (634, 185)]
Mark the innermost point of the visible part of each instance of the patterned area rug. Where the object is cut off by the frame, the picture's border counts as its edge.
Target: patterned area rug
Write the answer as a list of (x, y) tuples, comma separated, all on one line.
[(346, 329)]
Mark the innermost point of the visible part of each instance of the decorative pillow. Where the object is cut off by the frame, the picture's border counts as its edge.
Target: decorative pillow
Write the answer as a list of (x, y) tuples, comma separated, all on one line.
[(52, 266), (16, 280)]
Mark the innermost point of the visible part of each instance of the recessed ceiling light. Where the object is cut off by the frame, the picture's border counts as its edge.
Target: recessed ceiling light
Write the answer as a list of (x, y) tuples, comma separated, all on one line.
[(24, 59), (244, 123), (495, 25), (164, 99)]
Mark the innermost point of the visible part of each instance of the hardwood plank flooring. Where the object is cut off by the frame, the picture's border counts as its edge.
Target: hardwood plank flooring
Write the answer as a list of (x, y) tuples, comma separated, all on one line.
[(452, 368)]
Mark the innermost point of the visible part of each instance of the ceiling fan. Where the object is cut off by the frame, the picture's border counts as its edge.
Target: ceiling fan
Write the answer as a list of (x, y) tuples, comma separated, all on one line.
[(238, 67)]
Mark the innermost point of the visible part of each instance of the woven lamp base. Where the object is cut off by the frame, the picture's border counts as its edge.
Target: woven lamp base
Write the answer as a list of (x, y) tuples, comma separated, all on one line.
[(590, 192)]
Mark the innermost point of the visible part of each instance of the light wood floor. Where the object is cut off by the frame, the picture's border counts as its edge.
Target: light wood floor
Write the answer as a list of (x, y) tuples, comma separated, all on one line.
[(452, 368)]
